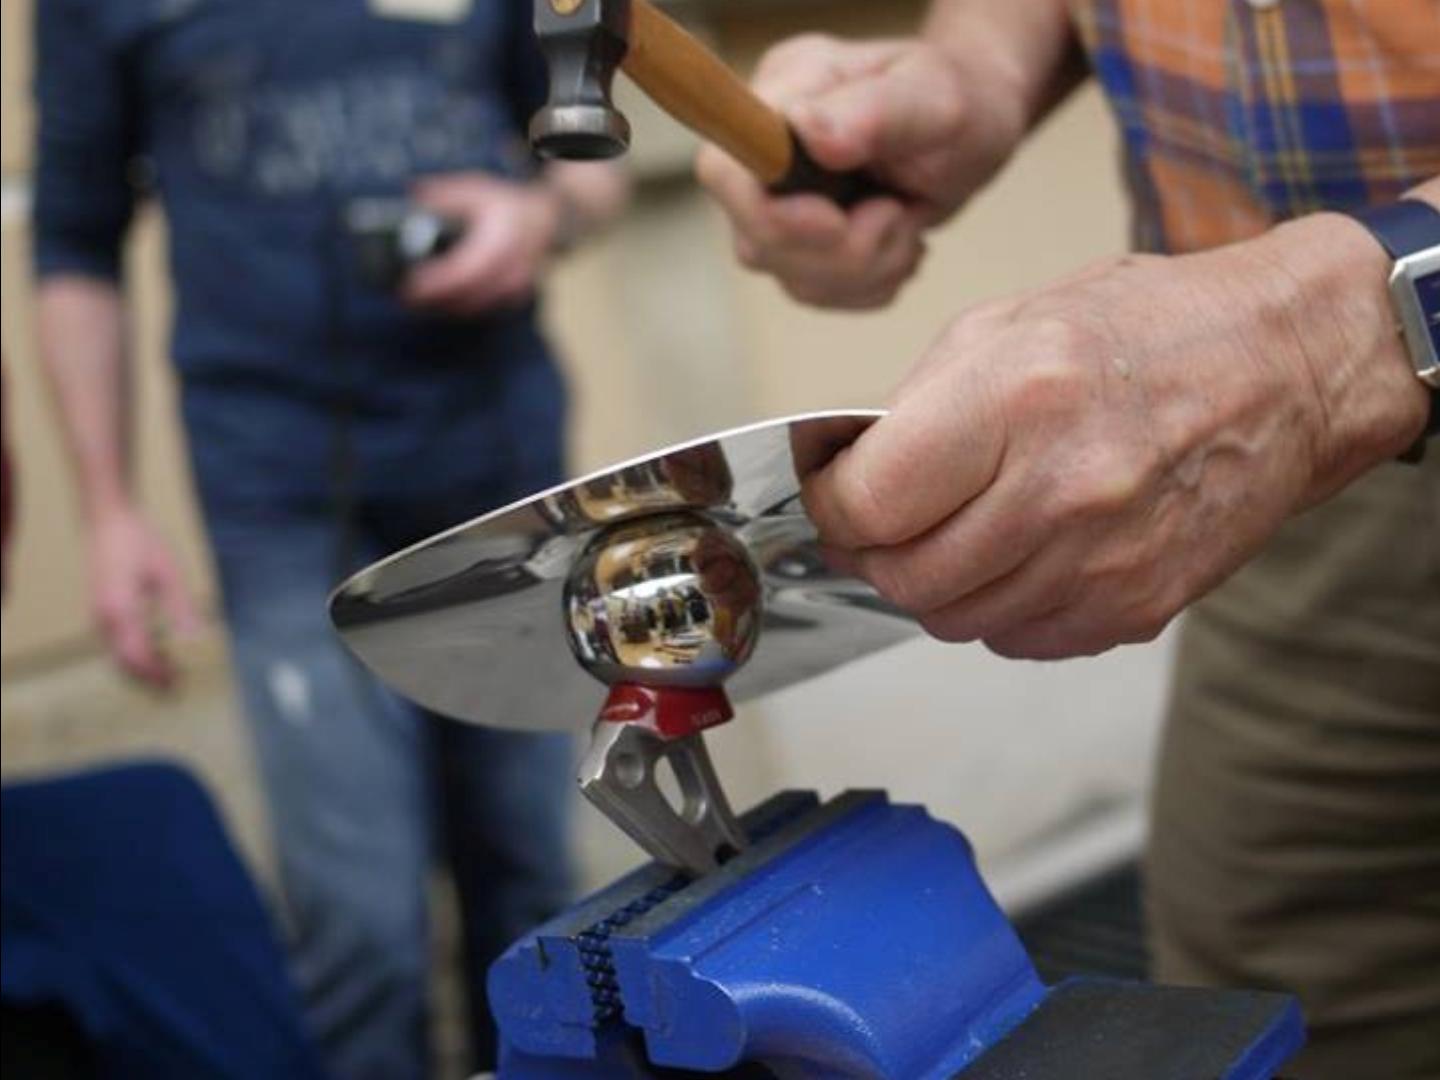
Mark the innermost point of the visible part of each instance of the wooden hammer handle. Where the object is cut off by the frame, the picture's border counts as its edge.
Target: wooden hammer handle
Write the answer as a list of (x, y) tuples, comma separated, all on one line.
[(689, 82)]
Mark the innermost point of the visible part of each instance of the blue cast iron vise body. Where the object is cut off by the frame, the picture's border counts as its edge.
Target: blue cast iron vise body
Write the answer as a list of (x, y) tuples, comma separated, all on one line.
[(852, 939)]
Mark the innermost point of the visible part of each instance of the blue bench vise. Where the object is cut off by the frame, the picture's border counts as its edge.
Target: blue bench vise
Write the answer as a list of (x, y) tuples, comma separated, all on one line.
[(853, 938)]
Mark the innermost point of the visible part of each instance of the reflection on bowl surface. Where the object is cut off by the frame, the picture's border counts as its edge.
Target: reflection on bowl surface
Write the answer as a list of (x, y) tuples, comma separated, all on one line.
[(668, 600)]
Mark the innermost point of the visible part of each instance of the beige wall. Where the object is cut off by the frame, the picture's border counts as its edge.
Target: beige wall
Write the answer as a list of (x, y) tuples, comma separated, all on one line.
[(15, 116)]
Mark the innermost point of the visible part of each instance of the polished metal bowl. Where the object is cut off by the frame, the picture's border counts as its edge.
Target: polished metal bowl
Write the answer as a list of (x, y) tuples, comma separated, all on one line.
[(632, 570)]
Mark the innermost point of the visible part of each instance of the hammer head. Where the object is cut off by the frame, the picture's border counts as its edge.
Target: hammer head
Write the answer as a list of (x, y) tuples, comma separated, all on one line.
[(583, 42)]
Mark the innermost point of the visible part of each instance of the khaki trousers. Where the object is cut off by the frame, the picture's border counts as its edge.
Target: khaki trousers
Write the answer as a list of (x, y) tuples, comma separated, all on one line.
[(1296, 819)]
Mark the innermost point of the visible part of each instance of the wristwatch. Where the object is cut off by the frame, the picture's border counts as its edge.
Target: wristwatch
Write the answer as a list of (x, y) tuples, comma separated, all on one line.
[(1410, 231)]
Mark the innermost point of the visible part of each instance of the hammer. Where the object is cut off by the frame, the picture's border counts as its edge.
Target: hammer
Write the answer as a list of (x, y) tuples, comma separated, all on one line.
[(584, 41)]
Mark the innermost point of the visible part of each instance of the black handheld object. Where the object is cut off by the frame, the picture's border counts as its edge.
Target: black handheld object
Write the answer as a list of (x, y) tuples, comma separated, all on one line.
[(389, 237), (845, 188)]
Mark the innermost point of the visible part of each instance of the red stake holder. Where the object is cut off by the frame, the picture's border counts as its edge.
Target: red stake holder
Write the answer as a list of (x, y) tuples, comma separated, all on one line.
[(672, 711)]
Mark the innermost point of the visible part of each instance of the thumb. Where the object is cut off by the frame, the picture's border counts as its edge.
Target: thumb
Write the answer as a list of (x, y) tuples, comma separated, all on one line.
[(908, 107)]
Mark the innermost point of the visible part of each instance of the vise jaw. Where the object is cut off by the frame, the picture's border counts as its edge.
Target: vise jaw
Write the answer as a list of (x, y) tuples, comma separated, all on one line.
[(850, 939)]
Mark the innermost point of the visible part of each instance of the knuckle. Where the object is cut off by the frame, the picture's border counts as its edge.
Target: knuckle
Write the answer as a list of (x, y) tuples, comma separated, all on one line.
[(748, 255), (1104, 573), (1033, 641), (1145, 631), (897, 583), (1014, 647), (1118, 606), (801, 291), (1137, 626), (895, 277), (951, 110), (800, 49), (852, 284), (1065, 505), (1094, 645), (1149, 618), (913, 256), (1088, 639), (1068, 632), (877, 297), (762, 232), (1108, 485), (966, 330), (864, 513), (1112, 484), (707, 164), (1066, 334), (949, 630), (1048, 381), (807, 290), (855, 259)]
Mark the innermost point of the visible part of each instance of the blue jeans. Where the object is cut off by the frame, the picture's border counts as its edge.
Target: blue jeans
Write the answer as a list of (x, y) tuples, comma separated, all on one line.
[(365, 788)]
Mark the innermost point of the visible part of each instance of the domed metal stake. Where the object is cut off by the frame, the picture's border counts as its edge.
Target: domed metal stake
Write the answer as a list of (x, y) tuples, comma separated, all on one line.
[(619, 775), (663, 609)]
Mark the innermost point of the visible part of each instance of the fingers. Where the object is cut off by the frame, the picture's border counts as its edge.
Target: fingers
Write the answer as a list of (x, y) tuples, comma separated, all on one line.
[(804, 221), (1075, 630), (939, 448), (1027, 593), (951, 572), (139, 594), (475, 276), (811, 63), (838, 95), (494, 263), (124, 621), (815, 444), (1020, 589), (907, 106), (864, 268), (789, 73), (821, 254)]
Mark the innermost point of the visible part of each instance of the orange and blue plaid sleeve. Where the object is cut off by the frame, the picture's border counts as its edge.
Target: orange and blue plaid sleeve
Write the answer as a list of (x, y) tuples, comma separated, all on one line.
[(1236, 114)]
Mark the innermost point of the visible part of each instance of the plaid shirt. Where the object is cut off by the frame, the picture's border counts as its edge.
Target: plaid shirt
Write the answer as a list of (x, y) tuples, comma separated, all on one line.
[(1237, 114)]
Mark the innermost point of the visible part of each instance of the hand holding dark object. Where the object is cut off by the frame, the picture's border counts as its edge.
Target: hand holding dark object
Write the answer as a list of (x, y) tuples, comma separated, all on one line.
[(389, 237), (510, 229), (1066, 470)]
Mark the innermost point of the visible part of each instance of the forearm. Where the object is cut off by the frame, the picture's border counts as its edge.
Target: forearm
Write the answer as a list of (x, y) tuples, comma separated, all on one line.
[(1029, 47), (82, 345), (1327, 277)]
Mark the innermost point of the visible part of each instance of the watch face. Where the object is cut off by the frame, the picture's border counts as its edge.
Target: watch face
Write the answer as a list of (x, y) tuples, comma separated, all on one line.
[(1427, 290)]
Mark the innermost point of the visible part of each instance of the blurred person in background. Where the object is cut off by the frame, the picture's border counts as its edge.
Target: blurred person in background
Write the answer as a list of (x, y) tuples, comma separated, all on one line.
[(1065, 470), (329, 421), (7, 494)]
